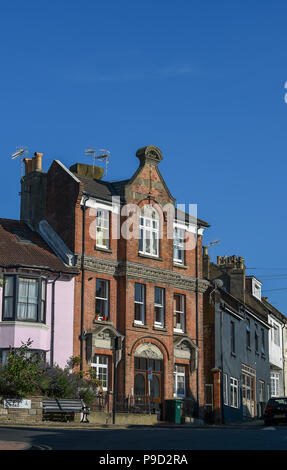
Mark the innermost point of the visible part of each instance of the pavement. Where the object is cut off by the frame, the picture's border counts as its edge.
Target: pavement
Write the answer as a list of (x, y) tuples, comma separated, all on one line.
[(14, 445)]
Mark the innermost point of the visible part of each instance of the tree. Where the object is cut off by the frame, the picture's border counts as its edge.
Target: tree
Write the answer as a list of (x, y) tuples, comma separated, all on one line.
[(20, 376)]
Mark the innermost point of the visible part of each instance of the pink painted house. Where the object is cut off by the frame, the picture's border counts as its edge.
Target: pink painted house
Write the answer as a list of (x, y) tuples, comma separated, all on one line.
[(36, 296)]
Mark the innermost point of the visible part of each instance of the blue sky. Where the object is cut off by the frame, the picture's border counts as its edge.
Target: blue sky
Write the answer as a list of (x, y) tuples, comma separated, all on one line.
[(202, 80)]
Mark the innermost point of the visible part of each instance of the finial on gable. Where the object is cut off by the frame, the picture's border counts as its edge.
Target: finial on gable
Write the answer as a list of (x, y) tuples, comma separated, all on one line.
[(149, 154)]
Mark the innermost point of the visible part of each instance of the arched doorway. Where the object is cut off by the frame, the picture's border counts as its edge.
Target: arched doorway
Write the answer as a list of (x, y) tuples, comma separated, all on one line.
[(148, 375)]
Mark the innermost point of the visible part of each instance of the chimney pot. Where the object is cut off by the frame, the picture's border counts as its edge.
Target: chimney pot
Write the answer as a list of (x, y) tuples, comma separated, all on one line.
[(38, 161)]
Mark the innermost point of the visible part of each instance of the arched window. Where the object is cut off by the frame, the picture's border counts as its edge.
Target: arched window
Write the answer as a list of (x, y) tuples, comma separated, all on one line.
[(149, 231)]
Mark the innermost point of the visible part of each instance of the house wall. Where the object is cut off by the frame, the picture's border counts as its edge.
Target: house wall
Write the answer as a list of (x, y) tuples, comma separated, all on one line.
[(15, 333), (231, 364), (122, 265), (275, 350)]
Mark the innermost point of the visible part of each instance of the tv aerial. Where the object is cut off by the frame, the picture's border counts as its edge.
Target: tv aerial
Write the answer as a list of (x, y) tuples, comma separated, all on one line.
[(20, 152), (101, 155), (211, 244)]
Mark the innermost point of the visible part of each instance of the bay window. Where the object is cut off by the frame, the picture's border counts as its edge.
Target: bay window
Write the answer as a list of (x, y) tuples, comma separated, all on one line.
[(24, 299)]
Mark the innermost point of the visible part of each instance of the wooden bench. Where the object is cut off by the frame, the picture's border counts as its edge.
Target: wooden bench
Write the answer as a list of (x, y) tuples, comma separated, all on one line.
[(65, 409)]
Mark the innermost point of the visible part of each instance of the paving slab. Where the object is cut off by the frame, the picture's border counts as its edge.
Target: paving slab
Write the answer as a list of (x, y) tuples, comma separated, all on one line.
[(14, 445)]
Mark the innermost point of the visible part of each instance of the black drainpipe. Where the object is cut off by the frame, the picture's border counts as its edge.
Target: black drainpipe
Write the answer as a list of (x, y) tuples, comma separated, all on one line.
[(53, 321), (196, 319), (84, 208)]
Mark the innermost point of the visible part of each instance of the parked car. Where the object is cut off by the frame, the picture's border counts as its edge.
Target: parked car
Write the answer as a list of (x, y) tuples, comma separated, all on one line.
[(275, 411)]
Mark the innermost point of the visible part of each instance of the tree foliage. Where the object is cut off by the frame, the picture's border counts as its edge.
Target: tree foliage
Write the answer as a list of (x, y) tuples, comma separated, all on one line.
[(25, 374)]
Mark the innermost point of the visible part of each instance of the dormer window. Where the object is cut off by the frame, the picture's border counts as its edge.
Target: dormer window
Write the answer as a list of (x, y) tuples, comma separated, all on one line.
[(256, 288), (149, 231)]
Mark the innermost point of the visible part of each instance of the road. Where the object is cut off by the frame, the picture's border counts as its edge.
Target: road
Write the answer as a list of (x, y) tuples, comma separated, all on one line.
[(252, 438)]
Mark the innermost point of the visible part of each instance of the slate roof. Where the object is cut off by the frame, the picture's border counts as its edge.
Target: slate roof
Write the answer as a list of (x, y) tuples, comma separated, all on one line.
[(106, 190), (20, 246)]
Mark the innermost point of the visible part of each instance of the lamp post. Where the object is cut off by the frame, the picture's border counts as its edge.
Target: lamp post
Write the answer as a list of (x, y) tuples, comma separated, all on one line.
[(117, 345)]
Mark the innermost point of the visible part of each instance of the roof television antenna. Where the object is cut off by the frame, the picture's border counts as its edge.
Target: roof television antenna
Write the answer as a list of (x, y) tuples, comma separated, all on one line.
[(20, 151), (102, 155), (211, 244)]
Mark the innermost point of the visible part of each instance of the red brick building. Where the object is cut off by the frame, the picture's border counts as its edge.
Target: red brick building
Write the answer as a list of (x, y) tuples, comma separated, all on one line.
[(141, 286)]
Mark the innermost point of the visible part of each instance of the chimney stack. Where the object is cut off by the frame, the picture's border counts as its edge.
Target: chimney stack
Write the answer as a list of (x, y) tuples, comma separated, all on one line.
[(33, 191), (234, 267)]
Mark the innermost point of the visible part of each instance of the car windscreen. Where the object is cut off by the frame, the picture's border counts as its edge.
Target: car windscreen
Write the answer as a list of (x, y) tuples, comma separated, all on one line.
[(277, 402)]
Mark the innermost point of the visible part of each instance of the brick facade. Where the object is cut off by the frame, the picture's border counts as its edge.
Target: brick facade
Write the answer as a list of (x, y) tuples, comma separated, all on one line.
[(122, 265)]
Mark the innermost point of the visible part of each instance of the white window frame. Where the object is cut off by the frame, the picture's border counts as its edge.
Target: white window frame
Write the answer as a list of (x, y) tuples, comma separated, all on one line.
[(234, 392), (149, 230), (275, 384), (161, 306), (176, 375), (275, 334), (181, 312), (140, 302), (103, 299), (105, 366), (261, 391), (103, 226), (178, 245)]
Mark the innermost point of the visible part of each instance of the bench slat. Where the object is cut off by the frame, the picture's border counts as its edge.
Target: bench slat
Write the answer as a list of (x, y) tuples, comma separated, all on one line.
[(62, 405)]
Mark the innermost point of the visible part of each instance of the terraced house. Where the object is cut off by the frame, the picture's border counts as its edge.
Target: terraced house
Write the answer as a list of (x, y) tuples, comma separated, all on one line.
[(36, 295), (242, 342), (139, 287)]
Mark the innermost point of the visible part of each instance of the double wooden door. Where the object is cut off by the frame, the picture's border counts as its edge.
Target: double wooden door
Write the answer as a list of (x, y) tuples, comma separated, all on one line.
[(148, 382)]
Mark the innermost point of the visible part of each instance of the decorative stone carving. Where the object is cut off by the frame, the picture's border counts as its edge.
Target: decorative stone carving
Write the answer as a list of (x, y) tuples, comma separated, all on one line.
[(142, 272), (97, 265), (150, 154), (185, 348), (101, 337), (148, 350)]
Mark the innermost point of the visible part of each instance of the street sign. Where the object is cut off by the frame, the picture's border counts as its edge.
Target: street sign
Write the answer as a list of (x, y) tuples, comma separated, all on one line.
[(149, 376)]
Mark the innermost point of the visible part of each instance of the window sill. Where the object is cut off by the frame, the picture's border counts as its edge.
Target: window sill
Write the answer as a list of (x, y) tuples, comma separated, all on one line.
[(179, 265), (101, 248), (179, 332), (248, 348), (234, 355), (140, 325), (159, 328), (24, 323), (144, 255)]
